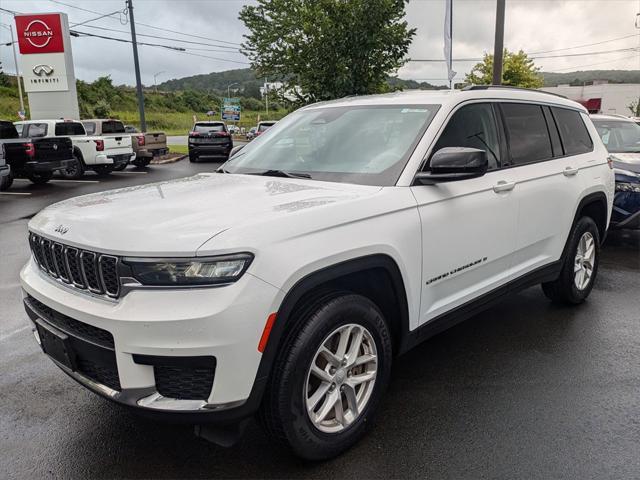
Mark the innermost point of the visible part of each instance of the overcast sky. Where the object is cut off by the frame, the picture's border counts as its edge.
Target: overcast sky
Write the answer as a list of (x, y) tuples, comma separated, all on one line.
[(531, 25)]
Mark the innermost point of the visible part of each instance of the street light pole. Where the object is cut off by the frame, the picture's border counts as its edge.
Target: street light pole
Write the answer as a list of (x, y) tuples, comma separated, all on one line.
[(136, 64), (155, 77), (498, 46), (15, 60), (229, 87)]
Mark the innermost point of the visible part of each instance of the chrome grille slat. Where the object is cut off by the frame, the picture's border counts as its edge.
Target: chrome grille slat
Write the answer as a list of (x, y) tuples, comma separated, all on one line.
[(77, 268)]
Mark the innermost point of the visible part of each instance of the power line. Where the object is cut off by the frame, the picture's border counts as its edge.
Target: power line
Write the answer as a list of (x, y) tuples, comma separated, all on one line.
[(598, 63), (587, 44), (149, 26), (629, 49)]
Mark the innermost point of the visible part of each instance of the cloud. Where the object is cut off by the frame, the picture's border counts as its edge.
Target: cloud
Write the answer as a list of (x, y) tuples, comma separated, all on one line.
[(531, 25)]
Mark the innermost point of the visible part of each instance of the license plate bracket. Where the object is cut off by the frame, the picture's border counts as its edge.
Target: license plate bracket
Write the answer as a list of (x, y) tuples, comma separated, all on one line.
[(56, 344)]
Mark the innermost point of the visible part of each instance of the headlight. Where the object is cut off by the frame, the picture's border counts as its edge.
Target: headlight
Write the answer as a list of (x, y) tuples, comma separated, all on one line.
[(627, 187), (185, 272)]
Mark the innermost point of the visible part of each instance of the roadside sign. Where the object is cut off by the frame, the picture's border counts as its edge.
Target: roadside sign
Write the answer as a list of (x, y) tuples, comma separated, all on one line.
[(231, 109)]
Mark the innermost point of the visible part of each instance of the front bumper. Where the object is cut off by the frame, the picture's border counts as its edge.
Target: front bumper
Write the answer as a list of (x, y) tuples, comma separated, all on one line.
[(223, 323)]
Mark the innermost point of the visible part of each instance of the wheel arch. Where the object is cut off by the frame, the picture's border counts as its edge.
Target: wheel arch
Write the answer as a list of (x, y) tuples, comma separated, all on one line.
[(594, 205), (77, 152)]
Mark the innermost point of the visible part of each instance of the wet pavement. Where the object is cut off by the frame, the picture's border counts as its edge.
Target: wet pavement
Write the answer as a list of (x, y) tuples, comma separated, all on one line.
[(526, 389)]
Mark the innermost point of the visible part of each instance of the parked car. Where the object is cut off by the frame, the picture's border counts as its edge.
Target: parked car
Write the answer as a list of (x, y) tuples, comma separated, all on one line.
[(263, 127), (100, 153), (146, 146), (621, 136), (5, 171), (209, 139), (233, 129), (286, 284), (34, 158), (250, 135), (103, 127)]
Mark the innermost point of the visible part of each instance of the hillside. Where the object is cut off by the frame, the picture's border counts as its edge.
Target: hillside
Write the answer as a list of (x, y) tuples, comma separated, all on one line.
[(551, 79)]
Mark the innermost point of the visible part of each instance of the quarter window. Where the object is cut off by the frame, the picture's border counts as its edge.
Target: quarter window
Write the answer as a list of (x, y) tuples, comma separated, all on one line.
[(527, 133), (573, 132), (473, 126), (90, 127)]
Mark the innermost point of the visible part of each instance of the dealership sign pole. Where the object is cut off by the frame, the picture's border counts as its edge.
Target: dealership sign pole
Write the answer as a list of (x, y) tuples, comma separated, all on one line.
[(47, 65)]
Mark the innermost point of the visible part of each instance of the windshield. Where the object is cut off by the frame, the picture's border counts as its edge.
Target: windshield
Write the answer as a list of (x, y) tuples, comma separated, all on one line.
[(264, 126), (619, 136), (369, 145), (208, 127)]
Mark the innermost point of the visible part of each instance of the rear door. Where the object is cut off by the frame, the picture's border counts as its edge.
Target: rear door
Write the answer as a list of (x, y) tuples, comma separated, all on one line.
[(547, 170), (468, 226)]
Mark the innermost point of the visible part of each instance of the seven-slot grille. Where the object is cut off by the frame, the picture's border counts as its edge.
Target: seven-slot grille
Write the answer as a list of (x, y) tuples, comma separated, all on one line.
[(81, 269)]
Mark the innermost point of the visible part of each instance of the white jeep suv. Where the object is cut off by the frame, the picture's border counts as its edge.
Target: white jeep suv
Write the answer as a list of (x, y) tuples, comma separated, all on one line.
[(285, 283)]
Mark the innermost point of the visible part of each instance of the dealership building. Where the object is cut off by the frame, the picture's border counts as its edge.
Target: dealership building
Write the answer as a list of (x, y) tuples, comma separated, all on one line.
[(601, 97)]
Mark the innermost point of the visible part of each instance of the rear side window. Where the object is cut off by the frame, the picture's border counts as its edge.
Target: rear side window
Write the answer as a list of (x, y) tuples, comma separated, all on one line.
[(209, 127), (90, 127), (35, 130), (473, 126), (69, 129), (8, 130), (112, 127), (527, 133), (573, 132)]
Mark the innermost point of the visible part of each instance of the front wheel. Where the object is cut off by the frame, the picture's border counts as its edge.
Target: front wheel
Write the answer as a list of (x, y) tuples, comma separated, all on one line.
[(103, 170), (193, 158), (580, 266), (40, 178), (329, 379), (6, 182)]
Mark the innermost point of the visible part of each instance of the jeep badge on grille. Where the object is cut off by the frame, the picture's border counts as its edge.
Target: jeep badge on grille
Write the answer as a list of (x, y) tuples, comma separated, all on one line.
[(61, 229)]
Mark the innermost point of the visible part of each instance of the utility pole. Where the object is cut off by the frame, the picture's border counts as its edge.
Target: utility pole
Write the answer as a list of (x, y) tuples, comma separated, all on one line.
[(498, 46), (15, 60), (136, 64), (266, 96), (155, 80)]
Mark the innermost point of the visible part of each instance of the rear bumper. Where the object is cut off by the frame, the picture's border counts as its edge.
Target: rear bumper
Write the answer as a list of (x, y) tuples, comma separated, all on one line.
[(115, 160), (5, 170), (150, 153), (210, 150), (50, 166)]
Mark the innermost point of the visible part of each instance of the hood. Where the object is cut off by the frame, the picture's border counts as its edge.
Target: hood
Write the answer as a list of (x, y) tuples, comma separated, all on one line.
[(626, 161), (176, 217)]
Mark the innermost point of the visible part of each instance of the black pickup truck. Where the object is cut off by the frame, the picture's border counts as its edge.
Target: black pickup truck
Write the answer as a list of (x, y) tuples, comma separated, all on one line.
[(33, 158)]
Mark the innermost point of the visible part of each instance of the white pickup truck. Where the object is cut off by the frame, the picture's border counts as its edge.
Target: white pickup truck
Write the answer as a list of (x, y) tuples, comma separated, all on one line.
[(100, 153)]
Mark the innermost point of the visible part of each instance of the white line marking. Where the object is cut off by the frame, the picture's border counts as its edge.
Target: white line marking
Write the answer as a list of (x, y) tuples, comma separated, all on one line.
[(15, 193), (61, 180), (127, 173), (10, 334)]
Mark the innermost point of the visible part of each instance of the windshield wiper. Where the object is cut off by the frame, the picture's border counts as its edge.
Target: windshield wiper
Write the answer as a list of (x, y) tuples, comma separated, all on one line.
[(281, 173)]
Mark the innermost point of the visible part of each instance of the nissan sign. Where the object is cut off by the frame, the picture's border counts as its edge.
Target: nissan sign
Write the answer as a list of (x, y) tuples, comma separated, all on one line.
[(40, 33)]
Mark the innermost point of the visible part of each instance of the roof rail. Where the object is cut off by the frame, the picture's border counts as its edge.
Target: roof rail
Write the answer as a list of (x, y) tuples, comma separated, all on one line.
[(508, 87)]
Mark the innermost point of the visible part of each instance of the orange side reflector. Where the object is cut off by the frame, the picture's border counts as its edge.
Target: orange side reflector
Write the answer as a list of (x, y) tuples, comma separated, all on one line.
[(266, 332)]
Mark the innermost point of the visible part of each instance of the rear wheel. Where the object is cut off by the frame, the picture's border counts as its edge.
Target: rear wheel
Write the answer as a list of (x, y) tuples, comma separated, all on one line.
[(120, 167), (40, 178), (327, 382), (142, 162), (6, 182), (103, 170), (580, 266), (76, 170)]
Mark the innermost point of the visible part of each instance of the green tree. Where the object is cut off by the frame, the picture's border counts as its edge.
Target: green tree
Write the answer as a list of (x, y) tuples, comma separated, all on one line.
[(634, 107), (328, 48), (518, 70)]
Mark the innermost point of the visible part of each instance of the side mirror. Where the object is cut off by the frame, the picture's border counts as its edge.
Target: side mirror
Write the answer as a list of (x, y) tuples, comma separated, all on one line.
[(451, 164), (235, 150)]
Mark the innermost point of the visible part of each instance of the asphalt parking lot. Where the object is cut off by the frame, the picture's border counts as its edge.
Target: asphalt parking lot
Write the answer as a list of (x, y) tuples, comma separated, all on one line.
[(525, 390)]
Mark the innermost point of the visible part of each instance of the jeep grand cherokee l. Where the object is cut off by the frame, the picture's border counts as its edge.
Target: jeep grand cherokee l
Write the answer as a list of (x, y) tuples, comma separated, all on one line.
[(350, 233)]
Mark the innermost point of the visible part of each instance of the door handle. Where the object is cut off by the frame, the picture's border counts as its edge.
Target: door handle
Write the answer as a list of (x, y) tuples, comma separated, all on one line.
[(570, 171), (503, 186)]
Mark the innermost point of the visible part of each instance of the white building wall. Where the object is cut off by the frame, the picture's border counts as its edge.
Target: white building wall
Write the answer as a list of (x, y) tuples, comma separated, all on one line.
[(615, 96)]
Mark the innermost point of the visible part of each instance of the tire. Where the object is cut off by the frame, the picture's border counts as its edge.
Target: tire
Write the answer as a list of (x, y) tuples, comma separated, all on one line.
[(40, 178), (283, 413), (576, 279), (6, 182), (142, 162), (76, 171), (103, 170), (193, 158), (120, 167)]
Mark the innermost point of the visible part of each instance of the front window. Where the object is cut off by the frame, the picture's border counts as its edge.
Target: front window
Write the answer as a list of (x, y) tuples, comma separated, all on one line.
[(619, 136), (369, 145), (35, 130)]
